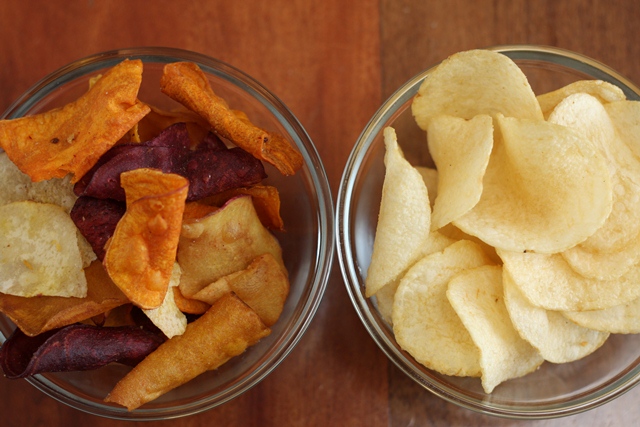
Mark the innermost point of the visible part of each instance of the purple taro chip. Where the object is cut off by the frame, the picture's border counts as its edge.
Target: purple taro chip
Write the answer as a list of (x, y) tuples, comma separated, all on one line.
[(96, 220)]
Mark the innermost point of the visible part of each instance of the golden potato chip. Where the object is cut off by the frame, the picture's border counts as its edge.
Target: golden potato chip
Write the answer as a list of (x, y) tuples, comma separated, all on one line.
[(404, 219), (460, 149), (167, 316), (38, 314), (625, 116), (546, 189), (475, 82), (186, 83), (477, 297), (558, 339), (39, 253), (71, 139), (140, 254), (222, 243), (547, 281), (263, 286), (619, 319), (224, 331), (424, 323), (605, 92)]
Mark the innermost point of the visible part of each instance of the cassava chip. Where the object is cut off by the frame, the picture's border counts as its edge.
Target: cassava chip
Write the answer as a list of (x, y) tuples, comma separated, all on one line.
[(546, 189), (605, 92), (404, 219), (168, 317), (224, 331), (477, 297), (548, 281), (71, 139), (424, 322), (186, 83), (141, 253), (460, 149), (222, 243), (558, 339), (39, 252), (619, 319), (475, 82)]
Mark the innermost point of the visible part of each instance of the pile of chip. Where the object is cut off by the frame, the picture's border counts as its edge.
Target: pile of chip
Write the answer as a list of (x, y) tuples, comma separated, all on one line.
[(135, 235), (522, 245)]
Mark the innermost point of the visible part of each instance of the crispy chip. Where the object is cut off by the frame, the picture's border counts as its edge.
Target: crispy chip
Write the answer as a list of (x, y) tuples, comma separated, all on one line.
[(189, 305), (168, 317), (71, 139), (157, 120), (186, 83), (605, 92), (224, 331), (141, 253), (619, 319), (624, 115)]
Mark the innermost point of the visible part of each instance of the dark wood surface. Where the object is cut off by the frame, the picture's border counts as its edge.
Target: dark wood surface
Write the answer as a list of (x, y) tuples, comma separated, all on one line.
[(333, 63)]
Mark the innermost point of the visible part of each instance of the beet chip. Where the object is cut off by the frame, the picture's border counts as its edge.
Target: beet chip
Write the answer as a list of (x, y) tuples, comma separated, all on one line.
[(97, 219), (75, 348)]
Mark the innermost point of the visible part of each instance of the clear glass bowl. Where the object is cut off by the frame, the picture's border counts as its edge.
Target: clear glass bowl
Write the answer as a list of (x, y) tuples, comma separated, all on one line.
[(307, 243), (552, 391)]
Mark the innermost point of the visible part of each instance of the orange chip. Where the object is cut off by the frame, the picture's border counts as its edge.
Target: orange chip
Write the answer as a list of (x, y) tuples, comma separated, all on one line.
[(72, 138), (141, 253), (197, 210), (39, 314), (186, 83), (224, 331), (189, 305)]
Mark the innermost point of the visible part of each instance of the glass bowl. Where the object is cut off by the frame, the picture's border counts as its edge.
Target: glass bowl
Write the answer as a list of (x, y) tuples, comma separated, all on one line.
[(307, 243), (553, 390)]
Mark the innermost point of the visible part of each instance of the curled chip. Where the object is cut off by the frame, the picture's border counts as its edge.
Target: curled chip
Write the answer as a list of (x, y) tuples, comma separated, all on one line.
[(477, 297), (168, 317), (224, 331), (71, 139), (39, 314), (142, 250), (619, 319), (75, 348), (158, 120), (605, 92), (186, 83), (624, 115), (404, 218), (39, 251)]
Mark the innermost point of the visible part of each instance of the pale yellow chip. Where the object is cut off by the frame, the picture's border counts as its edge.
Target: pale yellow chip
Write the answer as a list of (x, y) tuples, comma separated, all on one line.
[(625, 116), (424, 323), (477, 297), (475, 82), (403, 221), (620, 319), (603, 265), (546, 189), (168, 317), (558, 339), (605, 92), (548, 281), (430, 178), (460, 149), (39, 252), (385, 296)]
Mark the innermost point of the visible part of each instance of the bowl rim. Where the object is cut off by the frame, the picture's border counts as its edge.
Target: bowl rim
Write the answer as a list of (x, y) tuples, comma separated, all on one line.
[(353, 275), (314, 174)]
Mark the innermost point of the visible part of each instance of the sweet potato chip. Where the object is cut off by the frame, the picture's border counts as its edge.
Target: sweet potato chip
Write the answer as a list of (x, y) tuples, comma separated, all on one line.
[(186, 83), (141, 253), (39, 314), (157, 120), (224, 331), (72, 138)]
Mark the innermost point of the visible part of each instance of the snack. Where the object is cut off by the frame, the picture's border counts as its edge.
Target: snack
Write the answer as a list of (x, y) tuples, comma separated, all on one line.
[(545, 188)]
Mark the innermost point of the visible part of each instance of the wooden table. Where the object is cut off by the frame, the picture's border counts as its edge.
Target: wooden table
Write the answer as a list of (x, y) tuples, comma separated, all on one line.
[(333, 63)]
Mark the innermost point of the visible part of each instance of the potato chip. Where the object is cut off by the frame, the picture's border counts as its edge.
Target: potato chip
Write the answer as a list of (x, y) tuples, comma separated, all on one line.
[(263, 286), (450, 231), (546, 189), (140, 255), (39, 314), (404, 219), (619, 319), (477, 297), (625, 116), (475, 82), (39, 252), (558, 339), (424, 323), (430, 178), (547, 281), (221, 243), (605, 92), (603, 265), (460, 149), (168, 317), (223, 332), (186, 83), (71, 139)]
